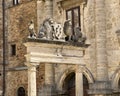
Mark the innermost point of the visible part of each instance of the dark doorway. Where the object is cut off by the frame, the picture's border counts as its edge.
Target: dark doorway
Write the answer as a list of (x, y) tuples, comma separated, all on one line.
[(21, 91), (69, 85), (85, 86), (119, 84)]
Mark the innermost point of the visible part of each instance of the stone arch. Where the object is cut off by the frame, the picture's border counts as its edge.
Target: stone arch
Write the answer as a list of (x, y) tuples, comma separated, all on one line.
[(116, 80), (88, 75), (85, 71), (64, 75)]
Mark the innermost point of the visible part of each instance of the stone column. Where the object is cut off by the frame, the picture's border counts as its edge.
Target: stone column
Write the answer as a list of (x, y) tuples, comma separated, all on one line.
[(32, 80), (79, 81), (48, 88), (49, 8), (102, 73), (49, 80), (101, 86), (49, 74)]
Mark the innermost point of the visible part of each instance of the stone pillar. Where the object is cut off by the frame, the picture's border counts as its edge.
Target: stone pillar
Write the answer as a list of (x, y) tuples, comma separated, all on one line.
[(49, 74), (49, 81), (102, 73), (101, 87), (49, 8), (32, 80), (79, 81)]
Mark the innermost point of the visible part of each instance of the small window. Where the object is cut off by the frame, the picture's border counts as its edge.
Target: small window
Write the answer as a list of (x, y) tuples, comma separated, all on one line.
[(15, 2), (13, 50)]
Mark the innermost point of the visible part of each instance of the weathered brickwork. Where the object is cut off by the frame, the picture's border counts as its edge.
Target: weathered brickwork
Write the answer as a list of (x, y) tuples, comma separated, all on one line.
[(19, 17), (16, 79)]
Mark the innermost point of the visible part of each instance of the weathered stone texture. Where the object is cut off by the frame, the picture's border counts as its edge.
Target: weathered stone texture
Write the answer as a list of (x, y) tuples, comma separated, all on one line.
[(19, 17), (112, 25), (40, 76), (16, 79)]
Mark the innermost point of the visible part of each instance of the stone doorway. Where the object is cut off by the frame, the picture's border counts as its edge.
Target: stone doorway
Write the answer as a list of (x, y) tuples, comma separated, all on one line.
[(119, 84), (69, 85)]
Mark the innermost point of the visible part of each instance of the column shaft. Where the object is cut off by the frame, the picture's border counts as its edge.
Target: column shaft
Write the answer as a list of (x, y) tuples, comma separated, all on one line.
[(49, 74), (79, 83), (102, 74), (32, 81)]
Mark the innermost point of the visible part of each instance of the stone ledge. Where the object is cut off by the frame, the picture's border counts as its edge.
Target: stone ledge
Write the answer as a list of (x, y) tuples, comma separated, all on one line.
[(18, 68), (76, 44)]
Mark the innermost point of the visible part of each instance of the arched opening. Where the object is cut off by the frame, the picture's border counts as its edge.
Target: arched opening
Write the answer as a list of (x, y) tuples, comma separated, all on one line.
[(69, 85), (21, 91), (85, 86), (119, 84)]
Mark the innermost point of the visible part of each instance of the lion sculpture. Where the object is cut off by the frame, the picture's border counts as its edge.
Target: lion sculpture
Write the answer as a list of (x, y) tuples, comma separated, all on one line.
[(50, 30)]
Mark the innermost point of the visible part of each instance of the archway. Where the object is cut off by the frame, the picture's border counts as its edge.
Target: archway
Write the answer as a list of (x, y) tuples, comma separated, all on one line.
[(21, 91), (69, 85), (119, 83)]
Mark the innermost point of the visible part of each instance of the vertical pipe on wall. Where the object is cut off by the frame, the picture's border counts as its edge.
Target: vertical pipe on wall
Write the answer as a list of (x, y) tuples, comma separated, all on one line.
[(4, 47)]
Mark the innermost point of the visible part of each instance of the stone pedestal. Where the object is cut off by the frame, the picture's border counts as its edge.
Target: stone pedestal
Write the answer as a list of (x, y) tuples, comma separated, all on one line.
[(47, 90), (100, 88)]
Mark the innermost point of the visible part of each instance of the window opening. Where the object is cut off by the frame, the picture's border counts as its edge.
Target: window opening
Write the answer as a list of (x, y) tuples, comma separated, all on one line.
[(15, 2), (74, 15), (13, 50)]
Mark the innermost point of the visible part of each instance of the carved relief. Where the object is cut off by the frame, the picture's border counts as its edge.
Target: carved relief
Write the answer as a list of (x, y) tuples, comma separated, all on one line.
[(52, 30)]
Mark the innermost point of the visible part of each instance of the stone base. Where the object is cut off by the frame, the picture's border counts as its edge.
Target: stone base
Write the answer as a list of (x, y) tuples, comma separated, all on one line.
[(100, 88), (47, 90)]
